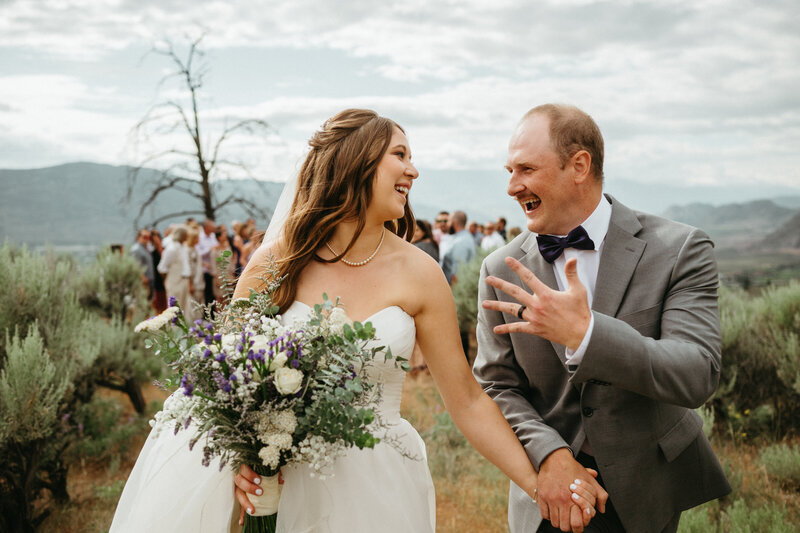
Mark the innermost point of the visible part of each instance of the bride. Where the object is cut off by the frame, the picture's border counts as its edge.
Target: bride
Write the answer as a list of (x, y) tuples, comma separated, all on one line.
[(344, 236)]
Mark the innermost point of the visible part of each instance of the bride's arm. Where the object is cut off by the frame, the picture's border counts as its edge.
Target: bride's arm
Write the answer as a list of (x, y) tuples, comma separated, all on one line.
[(472, 410)]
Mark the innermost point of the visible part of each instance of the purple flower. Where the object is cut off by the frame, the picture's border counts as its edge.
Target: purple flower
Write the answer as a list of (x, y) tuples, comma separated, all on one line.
[(198, 322), (232, 377), (218, 337), (208, 340), (222, 383), (209, 326), (188, 387), (221, 357), (208, 353), (172, 302)]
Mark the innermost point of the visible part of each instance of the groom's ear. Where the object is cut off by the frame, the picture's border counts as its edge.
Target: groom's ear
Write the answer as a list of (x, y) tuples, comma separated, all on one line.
[(581, 163)]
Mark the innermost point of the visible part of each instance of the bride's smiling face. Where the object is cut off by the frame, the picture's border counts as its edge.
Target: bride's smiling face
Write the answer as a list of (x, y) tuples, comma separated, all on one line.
[(393, 179)]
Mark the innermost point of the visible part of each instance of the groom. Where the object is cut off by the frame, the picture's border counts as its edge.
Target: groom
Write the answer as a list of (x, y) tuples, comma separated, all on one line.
[(598, 343)]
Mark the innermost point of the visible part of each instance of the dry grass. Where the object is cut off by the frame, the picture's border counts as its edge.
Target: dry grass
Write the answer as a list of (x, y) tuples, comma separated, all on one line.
[(471, 493)]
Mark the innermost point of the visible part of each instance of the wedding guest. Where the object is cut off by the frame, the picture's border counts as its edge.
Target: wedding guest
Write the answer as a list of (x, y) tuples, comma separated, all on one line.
[(237, 243), (493, 239), (423, 239), (461, 248), (168, 235), (141, 253), (206, 242), (197, 284), (441, 226), (476, 233), (174, 265), (159, 300), (500, 227), (513, 232)]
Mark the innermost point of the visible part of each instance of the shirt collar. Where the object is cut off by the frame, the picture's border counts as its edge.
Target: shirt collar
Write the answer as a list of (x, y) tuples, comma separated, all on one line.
[(596, 225)]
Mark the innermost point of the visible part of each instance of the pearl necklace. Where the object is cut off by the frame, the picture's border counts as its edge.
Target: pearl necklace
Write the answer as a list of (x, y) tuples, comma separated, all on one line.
[(365, 261)]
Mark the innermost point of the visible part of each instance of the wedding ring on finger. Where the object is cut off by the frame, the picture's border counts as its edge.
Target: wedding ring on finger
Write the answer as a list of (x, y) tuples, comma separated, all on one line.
[(520, 311)]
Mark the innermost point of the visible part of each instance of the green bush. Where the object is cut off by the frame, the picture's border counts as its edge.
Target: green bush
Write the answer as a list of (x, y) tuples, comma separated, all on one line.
[(782, 463), (698, 519), (112, 285), (761, 361), (766, 518), (465, 291), (102, 436), (58, 340), (35, 392)]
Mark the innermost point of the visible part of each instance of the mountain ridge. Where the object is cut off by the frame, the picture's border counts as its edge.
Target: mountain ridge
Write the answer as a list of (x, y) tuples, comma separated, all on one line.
[(82, 203)]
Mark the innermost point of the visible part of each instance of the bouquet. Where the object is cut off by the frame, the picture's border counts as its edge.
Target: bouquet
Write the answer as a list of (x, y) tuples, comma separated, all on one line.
[(262, 392)]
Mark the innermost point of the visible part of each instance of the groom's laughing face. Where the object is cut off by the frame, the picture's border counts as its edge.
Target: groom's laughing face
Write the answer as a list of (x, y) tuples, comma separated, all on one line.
[(543, 187)]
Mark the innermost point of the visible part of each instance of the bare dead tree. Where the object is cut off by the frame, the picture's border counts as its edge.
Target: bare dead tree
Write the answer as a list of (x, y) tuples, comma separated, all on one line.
[(193, 170)]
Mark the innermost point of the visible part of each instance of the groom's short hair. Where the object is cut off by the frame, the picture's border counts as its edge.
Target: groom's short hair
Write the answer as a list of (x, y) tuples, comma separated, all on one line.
[(573, 130)]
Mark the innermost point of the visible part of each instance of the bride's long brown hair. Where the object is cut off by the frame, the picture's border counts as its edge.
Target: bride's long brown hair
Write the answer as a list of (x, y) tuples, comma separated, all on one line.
[(334, 184)]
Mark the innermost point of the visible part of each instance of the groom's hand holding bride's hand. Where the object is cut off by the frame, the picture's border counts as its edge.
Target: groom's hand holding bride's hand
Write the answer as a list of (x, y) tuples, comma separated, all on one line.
[(562, 317), (556, 497)]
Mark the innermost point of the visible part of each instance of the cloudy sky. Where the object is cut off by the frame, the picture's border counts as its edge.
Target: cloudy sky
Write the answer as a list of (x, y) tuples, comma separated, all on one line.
[(696, 92)]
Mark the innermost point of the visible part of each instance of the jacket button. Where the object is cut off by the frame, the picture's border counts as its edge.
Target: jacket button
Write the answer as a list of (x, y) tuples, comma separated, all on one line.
[(588, 411)]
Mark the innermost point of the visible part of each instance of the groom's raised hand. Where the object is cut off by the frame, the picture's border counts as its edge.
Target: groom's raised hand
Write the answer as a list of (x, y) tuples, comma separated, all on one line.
[(562, 317)]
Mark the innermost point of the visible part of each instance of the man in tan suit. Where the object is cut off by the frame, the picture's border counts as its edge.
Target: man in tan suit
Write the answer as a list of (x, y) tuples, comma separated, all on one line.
[(598, 335)]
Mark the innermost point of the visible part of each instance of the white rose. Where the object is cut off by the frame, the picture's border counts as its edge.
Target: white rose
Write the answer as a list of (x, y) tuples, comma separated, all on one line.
[(277, 362), (288, 380), (337, 319), (260, 342), (229, 342)]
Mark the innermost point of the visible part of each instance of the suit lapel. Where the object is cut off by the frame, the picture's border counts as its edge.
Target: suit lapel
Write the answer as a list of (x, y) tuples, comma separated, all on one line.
[(533, 261), (621, 253)]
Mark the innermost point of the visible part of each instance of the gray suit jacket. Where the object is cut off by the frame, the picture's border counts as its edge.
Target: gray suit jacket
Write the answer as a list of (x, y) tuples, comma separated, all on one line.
[(654, 355)]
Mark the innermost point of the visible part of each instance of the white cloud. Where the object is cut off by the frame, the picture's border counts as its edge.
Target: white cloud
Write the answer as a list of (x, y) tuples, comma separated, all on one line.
[(683, 90)]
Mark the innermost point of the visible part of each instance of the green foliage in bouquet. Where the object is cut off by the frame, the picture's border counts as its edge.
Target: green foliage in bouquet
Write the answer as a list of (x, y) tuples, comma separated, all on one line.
[(761, 361), (258, 391)]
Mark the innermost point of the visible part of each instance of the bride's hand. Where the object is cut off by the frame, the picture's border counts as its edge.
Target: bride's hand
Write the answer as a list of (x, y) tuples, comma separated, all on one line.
[(247, 481), (585, 501)]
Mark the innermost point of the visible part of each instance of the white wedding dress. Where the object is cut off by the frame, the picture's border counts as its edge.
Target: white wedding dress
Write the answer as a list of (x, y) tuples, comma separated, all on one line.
[(369, 490)]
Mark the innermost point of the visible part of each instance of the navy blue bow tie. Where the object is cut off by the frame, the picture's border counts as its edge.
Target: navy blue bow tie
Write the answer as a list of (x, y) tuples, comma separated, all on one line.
[(551, 246)]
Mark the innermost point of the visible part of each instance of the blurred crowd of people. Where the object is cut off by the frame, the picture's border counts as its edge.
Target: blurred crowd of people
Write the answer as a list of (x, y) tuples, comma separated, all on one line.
[(451, 241), (183, 262)]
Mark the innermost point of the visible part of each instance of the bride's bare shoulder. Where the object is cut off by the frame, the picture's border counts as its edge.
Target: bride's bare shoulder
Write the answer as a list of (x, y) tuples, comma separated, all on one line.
[(420, 265)]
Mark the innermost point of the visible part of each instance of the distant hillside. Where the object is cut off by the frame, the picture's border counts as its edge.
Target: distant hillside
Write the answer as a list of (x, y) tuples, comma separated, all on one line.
[(734, 225), (82, 203), (792, 202), (787, 236)]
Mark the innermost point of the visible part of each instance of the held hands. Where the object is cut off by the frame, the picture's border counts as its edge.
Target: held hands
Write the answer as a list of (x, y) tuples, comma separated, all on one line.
[(562, 317), (568, 493), (247, 482)]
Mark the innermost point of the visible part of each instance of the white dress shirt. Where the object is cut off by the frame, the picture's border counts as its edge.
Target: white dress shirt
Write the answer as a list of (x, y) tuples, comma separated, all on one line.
[(596, 227)]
